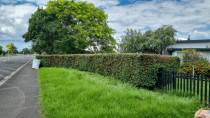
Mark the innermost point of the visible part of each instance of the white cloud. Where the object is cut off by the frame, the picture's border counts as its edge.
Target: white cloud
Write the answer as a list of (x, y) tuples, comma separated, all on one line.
[(14, 20), (188, 17), (185, 17), (41, 2), (104, 3), (200, 34), (7, 29), (15, 1)]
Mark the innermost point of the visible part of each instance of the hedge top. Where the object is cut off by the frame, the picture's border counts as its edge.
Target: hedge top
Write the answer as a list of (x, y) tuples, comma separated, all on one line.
[(107, 54)]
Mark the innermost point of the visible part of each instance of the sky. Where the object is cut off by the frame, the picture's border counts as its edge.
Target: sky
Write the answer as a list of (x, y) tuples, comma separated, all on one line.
[(188, 17)]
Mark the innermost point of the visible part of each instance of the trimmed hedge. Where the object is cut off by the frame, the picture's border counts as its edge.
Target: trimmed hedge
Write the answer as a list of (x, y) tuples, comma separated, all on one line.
[(138, 69)]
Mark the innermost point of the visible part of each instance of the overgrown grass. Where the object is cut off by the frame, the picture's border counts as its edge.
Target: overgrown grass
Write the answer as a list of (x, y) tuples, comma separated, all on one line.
[(68, 93)]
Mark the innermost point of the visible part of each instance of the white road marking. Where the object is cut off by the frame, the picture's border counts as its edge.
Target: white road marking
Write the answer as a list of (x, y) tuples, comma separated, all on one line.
[(11, 74)]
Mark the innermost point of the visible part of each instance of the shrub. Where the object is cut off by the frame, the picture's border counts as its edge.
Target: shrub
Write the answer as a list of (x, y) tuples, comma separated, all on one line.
[(201, 68), (194, 63), (140, 70)]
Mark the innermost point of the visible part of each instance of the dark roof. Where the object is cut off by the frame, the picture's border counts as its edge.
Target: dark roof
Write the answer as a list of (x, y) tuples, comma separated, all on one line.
[(193, 41), (199, 49)]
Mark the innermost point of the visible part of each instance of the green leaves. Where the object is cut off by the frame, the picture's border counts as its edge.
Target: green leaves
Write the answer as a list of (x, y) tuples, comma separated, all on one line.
[(2, 51), (140, 70), (155, 41), (64, 21), (132, 42), (164, 36), (26, 51)]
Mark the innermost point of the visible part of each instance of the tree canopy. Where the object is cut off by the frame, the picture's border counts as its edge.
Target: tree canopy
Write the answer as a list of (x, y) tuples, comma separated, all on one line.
[(13, 49), (26, 51), (156, 41), (163, 37), (133, 41), (67, 27), (1, 50)]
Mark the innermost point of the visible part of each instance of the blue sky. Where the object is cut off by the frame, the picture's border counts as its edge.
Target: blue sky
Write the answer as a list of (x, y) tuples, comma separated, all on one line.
[(187, 16)]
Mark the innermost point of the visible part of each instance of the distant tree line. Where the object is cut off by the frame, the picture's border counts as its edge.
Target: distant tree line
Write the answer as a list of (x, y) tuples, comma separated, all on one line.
[(12, 51), (15, 51), (27, 51)]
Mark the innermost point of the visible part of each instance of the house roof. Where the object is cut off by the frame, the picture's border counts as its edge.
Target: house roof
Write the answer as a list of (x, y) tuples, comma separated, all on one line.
[(194, 41), (199, 49)]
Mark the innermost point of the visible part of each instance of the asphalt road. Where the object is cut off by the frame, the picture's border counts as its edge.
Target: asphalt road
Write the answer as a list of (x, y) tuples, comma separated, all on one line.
[(7, 67), (19, 95)]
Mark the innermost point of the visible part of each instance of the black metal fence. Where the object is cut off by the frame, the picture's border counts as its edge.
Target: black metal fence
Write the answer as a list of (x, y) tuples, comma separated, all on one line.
[(198, 85)]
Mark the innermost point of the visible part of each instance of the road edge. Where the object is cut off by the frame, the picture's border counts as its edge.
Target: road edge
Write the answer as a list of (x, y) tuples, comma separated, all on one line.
[(13, 73)]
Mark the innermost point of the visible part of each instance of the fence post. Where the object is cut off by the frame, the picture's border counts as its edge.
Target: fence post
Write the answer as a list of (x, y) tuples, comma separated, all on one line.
[(201, 89), (205, 90), (174, 80)]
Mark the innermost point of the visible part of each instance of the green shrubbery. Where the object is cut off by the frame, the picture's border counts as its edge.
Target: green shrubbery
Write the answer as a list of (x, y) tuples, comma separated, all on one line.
[(194, 63), (201, 68), (140, 70)]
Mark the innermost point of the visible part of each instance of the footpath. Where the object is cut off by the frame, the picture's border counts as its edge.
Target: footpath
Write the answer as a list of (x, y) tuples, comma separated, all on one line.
[(19, 95)]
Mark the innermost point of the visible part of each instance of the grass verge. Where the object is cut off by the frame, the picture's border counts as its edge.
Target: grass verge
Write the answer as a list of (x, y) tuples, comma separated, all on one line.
[(6, 55), (68, 93)]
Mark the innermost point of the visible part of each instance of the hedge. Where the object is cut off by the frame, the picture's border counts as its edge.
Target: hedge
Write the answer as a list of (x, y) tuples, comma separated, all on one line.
[(138, 69)]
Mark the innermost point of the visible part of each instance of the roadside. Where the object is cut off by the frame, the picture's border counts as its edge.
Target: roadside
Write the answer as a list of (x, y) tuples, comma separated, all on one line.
[(19, 95), (7, 55)]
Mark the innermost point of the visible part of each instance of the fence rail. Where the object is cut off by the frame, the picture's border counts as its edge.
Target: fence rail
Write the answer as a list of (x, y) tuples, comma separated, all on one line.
[(198, 85)]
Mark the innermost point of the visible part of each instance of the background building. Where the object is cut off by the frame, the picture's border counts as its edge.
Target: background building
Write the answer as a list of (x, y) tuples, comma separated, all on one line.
[(200, 45)]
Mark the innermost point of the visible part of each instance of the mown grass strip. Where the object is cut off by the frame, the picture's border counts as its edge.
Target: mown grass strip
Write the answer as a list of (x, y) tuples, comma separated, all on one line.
[(7, 55), (68, 93)]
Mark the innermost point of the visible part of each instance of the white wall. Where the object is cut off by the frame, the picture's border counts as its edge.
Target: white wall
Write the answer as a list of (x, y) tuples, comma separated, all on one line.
[(206, 54)]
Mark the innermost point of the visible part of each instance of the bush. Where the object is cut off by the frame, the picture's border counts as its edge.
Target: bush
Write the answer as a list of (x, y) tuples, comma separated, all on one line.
[(193, 59), (140, 70), (201, 68)]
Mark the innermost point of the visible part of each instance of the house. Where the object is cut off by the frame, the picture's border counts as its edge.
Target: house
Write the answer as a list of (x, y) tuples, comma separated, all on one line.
[(201, 45)]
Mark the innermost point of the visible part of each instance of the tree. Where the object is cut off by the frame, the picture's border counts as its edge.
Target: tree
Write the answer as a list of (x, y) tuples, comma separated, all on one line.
[(13, 49), (69, 27), (25, 51), (1, 50), (188, 38), (132, 41), (155, 41), (163, 37)]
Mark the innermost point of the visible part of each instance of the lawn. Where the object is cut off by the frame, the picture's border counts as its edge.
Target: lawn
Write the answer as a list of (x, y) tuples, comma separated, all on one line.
[(69, 93)]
